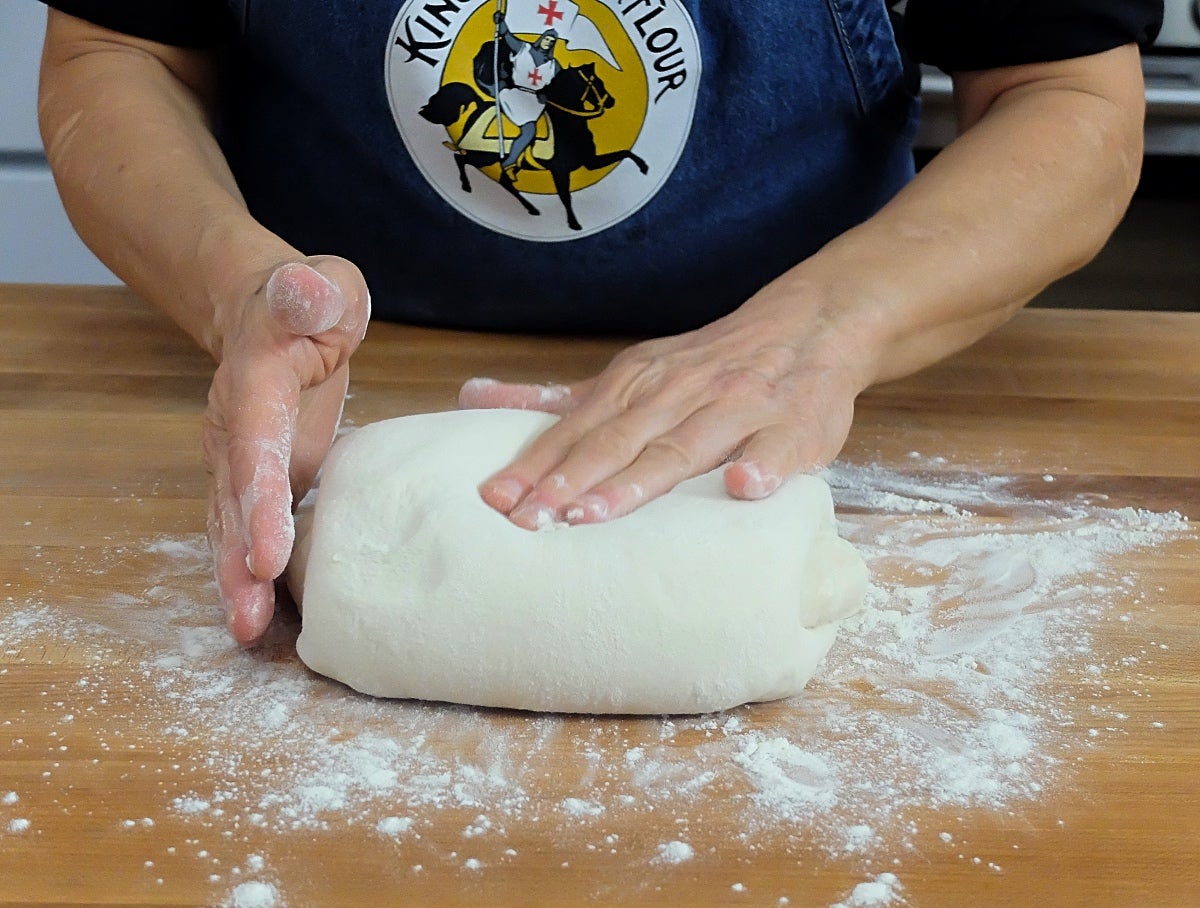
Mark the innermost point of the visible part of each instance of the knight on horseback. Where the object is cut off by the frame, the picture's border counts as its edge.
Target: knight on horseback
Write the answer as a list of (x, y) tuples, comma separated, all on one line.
[(523, 98)]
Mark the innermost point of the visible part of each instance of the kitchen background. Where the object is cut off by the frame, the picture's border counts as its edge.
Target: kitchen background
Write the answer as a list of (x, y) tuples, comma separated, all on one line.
[(1153, 261)]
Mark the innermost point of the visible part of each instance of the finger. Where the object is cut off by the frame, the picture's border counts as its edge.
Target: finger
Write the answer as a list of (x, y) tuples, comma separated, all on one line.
[(608, 401), (302, 300), (320, 412), (262, 428), (606, 450), (355, 297), (695, 446), (248, 602), (752, 479), (324, 300), (266, 505), (505, 489), (315, 296), (489, 394), (776, 452)]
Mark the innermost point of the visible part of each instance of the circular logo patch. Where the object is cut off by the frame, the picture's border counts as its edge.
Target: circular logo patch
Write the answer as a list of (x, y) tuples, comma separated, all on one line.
[(546, 120)]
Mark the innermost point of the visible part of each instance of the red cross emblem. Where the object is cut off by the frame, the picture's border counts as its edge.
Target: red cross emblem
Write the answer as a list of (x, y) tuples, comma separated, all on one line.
[(535, 78), (551, 12)]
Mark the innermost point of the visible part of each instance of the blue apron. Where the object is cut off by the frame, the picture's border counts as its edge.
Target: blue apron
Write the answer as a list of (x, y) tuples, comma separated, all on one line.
[(679, 154)]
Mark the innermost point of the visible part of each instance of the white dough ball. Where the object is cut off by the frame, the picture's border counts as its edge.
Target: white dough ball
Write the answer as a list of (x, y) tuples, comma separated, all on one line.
[(413, 587)]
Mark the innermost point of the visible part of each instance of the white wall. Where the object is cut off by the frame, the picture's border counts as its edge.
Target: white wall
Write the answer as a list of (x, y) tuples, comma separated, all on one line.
[(37, 242)]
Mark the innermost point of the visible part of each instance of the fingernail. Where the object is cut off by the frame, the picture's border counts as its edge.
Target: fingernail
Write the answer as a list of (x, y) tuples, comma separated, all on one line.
[(759, 484), (533, 516), (471, 389), (291, 300), (502, 494)]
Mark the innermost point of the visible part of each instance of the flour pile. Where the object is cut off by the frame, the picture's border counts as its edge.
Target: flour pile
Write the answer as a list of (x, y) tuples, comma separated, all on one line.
[(956, 690)]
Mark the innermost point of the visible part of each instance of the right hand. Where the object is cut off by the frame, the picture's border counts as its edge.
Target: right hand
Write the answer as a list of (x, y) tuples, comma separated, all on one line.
[(273, 411)]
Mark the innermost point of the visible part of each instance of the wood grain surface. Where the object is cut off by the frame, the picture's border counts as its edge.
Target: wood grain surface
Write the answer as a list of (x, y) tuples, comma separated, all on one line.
[(101, 400)]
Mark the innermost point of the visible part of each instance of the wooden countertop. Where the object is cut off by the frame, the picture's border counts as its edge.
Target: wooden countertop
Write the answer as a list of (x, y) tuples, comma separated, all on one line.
[(123, 781)]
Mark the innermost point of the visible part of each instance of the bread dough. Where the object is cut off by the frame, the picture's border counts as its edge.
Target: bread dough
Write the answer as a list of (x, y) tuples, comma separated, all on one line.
[(696, 602)]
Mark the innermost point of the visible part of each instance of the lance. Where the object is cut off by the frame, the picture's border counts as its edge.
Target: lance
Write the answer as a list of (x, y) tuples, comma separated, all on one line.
[(496, 83)]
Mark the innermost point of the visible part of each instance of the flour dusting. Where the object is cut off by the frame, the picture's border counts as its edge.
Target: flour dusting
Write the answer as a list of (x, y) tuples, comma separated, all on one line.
[(254, 895), (675, 852), (944, 695), (883, 890)]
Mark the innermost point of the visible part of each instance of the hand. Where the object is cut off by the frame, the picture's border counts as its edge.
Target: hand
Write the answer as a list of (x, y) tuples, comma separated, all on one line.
[(273, 410), (770, 387)]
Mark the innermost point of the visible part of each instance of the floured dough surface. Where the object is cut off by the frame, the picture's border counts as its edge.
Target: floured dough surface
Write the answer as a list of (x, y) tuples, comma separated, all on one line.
[(413, 587)]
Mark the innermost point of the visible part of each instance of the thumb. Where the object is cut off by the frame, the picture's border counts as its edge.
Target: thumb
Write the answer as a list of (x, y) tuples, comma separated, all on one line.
[(314, 296)]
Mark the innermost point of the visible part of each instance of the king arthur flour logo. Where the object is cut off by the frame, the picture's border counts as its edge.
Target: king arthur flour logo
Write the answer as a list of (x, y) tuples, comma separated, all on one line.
[(544, 119)]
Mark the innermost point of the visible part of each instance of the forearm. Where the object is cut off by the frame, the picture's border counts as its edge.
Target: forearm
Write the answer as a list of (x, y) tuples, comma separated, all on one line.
[(1029, 192), (143, 179)]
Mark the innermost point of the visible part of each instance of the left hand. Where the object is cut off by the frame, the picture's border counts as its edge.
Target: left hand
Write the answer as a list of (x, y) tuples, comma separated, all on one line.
[(770, 387)]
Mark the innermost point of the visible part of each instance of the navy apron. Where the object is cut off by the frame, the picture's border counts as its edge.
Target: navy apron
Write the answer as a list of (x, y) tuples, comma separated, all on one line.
[(666, 158)]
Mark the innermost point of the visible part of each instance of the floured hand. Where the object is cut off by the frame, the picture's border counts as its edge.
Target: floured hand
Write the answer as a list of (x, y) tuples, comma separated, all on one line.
[(770, 388), (273, 410)]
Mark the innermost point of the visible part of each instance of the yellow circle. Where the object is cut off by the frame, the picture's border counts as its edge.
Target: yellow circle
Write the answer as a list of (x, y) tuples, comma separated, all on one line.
[(616, 129)]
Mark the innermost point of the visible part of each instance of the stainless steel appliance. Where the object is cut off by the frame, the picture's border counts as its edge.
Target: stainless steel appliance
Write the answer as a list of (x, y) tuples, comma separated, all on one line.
[(1181, 26), (1172, 69)]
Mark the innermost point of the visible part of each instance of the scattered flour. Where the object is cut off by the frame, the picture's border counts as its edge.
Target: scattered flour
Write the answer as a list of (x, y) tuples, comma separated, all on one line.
[(675, 852), (938, 697), (883, 890), (394, 826), (577, 807), (254, 895), (18, 826)]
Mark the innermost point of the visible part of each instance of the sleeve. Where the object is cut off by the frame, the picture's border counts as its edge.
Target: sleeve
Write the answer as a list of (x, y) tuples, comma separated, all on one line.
[(985, 34), (183, 23)]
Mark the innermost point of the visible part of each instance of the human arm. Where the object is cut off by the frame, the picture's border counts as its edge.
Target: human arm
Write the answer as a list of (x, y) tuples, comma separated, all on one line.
[(1045, 165), (127, 128), (513, 43)]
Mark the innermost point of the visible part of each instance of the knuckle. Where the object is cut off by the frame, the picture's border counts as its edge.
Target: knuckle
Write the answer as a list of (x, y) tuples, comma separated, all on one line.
[(745, 384), (613, 440), (331, 358), (777, 360), (313, 361), (670, 451), (635, 372), (634, 357), (683, 382), (619, 369)]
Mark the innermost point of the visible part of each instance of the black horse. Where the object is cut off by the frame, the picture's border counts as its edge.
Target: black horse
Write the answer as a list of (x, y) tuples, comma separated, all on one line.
[(573, 97)]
